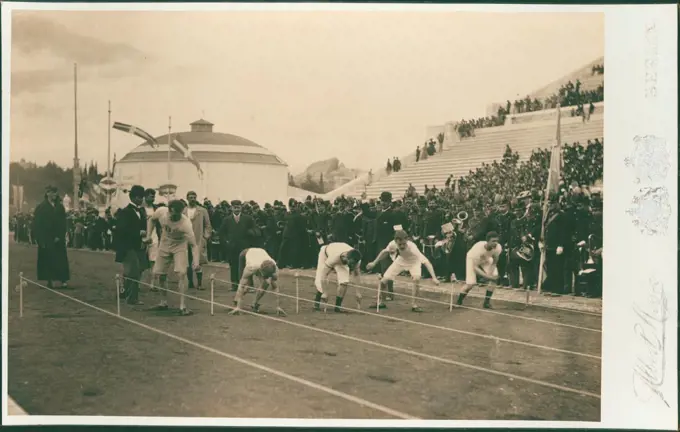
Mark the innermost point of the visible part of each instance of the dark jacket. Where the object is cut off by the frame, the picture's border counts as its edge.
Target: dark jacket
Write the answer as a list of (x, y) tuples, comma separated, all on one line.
[(241, 235), (556, 232), (128, 227), (49, 223)]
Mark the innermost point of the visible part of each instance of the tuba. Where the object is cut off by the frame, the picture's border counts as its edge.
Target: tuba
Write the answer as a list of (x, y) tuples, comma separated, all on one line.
[(526, 250)]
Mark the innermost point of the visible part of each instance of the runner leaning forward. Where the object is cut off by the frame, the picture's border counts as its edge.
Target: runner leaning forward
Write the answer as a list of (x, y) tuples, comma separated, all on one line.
[(177, 235), (255, 263)]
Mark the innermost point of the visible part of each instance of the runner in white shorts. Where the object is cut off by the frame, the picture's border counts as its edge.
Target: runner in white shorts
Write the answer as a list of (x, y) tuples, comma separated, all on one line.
[(409, 259), (176, 237), (481, 267), (256, 263), (345, 261)]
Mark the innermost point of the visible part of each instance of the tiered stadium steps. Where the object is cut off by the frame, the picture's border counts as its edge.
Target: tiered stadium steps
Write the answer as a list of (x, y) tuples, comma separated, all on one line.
[(583, 74), (487, 146)]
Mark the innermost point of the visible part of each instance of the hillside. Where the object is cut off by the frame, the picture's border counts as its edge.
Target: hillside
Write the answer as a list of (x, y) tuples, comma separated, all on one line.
[(335, 174)]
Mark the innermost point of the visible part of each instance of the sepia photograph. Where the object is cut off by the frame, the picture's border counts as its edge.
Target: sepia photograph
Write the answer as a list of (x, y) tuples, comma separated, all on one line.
[(307, 214)]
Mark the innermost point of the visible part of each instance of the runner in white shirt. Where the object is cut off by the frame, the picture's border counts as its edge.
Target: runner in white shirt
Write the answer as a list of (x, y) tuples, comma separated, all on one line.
[(256, 263), (176, 237), (409, 259), (342, 259), (481, 267), (152, 248)]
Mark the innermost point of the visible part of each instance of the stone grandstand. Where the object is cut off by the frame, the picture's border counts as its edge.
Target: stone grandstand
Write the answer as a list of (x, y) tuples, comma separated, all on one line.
[(524, 133)]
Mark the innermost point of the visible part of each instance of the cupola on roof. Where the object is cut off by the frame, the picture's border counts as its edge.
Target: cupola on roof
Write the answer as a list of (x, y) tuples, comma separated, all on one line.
[(205, 146)]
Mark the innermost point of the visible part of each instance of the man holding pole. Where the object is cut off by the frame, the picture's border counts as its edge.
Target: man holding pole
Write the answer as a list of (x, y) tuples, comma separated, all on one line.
[(200, 221)]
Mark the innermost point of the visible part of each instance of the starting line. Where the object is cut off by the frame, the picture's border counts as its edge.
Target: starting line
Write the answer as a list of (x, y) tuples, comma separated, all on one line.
[(310, 384), (510, 376)]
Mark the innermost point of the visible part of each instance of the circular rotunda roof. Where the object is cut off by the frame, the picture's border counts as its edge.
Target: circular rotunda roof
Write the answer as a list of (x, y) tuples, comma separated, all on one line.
[(205, 146)]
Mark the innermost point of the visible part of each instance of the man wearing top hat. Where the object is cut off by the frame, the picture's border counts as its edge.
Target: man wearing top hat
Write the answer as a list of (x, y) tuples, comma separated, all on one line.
[(237, 233), (386, 220), (130, 246)]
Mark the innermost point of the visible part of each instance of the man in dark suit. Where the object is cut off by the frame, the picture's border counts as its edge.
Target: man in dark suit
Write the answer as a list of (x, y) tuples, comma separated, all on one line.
[(556, 241), (130, 247), (237, 233), (294, 234), (386, 220)]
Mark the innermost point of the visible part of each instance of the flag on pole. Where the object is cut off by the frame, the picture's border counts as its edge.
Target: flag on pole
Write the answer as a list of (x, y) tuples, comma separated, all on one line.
[(556, 161), (553, 187), (134, 130), (18, 196), (178, 145)]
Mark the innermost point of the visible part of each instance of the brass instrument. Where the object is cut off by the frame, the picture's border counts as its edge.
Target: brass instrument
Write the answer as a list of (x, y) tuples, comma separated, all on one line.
[(526, 250), (460, 218)]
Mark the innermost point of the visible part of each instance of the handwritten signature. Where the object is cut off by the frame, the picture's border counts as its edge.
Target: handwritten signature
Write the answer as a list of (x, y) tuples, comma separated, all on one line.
[(650, 331)]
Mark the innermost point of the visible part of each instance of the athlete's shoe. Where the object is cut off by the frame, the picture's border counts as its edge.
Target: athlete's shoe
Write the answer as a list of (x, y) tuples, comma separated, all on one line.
[(186, 312), (416, 309), (374, 305)]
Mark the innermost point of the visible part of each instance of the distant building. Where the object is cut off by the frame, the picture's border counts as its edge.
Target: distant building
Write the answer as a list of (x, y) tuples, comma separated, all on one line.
[(233, 167)]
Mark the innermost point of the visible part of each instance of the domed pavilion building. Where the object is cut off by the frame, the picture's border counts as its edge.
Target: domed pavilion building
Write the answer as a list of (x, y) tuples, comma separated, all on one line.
[(232, 167)]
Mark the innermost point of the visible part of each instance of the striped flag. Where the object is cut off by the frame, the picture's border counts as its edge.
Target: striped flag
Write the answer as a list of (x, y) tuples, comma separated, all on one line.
[(553, 186), (18, 196), (556, 161), (184, 149), (134, 130)]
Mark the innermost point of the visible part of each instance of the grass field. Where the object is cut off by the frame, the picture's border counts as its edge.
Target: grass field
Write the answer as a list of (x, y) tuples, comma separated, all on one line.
[(66, 358)]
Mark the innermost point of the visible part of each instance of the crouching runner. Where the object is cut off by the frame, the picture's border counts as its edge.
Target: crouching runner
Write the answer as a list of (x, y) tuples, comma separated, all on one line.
[(409, 259), (342, 259), (177, 235), (482, 267), (255, 263)]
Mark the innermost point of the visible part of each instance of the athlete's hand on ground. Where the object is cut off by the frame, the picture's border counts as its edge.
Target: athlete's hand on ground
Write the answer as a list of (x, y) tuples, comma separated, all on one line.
[(281, 312), (196, 266), (370, 266), (436, 281)]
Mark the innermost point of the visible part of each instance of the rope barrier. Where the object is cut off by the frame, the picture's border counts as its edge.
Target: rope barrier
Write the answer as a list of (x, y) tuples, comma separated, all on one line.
[(252, 364), (400, 350), (451, 307), (450, 329), (213, 264), (403, 283)]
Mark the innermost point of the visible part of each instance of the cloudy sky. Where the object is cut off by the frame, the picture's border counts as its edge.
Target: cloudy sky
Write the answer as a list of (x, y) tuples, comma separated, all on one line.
[(307, 85)]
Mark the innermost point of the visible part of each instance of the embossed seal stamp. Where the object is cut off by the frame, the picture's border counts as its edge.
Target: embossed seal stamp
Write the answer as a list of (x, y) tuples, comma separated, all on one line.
[(651, 210), (650, 159)]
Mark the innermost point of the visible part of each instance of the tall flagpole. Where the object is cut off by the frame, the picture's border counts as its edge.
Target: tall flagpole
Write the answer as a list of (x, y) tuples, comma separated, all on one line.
[(546, 199), (108, 160), (76, 162), (169, 141)]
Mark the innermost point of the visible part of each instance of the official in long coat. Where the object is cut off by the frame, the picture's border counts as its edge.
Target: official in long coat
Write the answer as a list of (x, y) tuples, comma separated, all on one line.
[(200, 221), (50, 233)]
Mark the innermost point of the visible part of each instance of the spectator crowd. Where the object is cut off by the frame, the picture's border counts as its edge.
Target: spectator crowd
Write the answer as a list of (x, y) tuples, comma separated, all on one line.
[(569, 94), (293, 233)]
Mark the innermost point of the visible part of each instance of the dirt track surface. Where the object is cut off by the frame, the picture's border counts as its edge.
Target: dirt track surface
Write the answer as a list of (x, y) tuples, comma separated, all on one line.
[(68, 359)]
